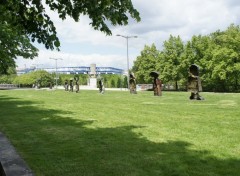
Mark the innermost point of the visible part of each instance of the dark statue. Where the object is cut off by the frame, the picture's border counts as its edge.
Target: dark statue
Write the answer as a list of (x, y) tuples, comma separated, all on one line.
[(66, 85), (101, 86), (132, 84), (38, 83), (71, 85), (50, 85), (194, 83), (76, 78), (157, 83)]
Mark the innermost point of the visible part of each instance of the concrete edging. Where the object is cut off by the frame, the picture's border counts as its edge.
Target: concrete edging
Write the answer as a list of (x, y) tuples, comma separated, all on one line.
[(11, 164)]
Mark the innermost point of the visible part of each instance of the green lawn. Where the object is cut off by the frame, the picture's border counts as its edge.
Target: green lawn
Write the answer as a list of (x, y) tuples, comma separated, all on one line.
[(60, 133)]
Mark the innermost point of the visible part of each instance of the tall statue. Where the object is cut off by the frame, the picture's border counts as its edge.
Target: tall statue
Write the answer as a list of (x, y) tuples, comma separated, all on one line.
[(71, 85), (66, 85), (157, 84), (38, 83), (132, 84), (101, 86), (194, 83), (76, 78)]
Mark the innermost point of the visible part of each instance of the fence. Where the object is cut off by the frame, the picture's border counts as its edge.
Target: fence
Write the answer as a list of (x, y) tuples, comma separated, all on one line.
[(8, 86)]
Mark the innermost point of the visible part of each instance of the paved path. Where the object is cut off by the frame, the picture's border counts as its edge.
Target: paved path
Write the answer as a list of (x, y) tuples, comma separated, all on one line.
[(11, 164)]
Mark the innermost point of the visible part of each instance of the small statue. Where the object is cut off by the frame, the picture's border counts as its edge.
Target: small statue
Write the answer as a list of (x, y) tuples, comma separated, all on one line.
[(38, 83), (101, 86), (157, 84), (50, 85), (66, 85), (71, 85), (194, 83), (132, 84), (76, 78)]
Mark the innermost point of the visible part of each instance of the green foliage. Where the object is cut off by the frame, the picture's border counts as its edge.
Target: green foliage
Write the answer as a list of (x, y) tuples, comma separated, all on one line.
[(13, 43), (7, 79), (171, 60), (114, 81), (42, 77), (23, 22), (83, 78), (31, 18), (217, 55), (226, 58), (145, 63)]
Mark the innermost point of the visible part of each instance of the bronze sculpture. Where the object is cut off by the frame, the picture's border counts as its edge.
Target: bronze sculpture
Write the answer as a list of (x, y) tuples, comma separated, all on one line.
[(194, 83), (66, 85), (101, 86), (71, 85), (157, 83), (132, 84), (76, 78)]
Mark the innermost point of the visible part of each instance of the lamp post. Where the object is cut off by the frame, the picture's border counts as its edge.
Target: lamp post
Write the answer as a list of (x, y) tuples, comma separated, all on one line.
[(127, 37), (56, 59)]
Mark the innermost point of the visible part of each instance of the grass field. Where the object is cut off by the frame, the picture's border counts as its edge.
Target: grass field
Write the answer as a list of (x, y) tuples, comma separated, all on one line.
[(67, 134)]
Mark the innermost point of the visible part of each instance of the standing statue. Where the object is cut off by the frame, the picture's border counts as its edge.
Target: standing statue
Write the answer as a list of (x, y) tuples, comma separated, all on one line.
[(157, 84), (101, 86), (38, 84), (50, 85), (66, 85), (132, 84), (194, 83), (76, 78), (71, 85)]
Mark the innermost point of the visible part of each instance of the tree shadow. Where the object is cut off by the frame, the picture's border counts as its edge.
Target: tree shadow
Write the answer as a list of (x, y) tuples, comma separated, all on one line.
[(70, 147)]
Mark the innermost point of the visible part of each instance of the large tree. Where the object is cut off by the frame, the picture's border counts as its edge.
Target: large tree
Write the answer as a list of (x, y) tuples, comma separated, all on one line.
[(171, 61), (13, 44), (31, 18), (25, 20), (225, 63), (199, 51), (145, 63)]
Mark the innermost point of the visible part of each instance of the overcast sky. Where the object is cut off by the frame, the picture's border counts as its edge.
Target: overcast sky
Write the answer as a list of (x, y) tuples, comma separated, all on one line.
[(82, 46)]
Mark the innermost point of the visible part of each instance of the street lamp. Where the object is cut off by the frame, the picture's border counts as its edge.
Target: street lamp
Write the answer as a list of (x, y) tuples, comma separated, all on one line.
[(56, 59), (127, 37)]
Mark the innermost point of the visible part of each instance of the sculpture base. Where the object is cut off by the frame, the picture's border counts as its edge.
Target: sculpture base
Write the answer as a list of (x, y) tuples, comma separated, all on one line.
[(195, 96), (92, 82)]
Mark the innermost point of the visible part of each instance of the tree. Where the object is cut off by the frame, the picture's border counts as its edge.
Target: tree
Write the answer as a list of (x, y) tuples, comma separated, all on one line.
[(218, 56), (170, 63), (13, 44), (31, 18), (199, 51), (41, 76), (225, 62), (145, 63), (22, 21)]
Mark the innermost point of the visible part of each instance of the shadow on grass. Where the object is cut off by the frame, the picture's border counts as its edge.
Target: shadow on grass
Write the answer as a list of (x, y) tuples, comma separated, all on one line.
[(53, 145)]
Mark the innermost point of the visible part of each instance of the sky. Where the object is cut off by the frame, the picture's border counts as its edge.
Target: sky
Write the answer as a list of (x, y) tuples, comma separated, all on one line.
[(81, 45)]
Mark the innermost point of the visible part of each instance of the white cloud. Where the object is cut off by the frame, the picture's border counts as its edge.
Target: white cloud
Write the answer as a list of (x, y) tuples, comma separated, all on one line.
[(81, 45)]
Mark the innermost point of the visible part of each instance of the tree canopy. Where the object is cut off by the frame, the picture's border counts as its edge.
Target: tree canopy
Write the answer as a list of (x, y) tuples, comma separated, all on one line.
[(31, 18), (217, 55), (26, 21), (145, 63)]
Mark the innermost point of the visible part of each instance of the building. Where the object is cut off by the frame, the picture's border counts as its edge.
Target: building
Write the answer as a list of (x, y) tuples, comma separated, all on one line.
[(73, 70)]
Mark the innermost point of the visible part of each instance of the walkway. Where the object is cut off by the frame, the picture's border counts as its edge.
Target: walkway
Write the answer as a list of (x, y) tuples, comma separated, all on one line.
[(11, 164)]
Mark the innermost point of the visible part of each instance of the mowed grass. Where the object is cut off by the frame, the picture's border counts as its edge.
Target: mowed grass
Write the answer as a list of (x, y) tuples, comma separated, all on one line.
[(60, 133)]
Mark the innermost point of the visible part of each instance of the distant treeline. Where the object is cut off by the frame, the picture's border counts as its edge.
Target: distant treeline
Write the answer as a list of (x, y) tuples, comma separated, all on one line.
[(45, 79)]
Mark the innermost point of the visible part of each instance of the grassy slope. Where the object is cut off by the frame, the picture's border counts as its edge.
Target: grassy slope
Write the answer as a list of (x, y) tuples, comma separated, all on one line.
[(62, 133)]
